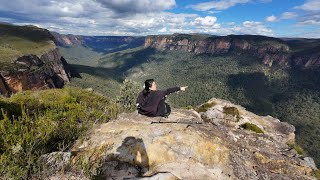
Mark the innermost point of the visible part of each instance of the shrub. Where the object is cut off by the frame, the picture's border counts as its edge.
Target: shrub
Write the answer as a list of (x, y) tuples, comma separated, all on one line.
[(233, 111), (128, 95), (252, 127), (297, 148), (205, 107), (50, 120)]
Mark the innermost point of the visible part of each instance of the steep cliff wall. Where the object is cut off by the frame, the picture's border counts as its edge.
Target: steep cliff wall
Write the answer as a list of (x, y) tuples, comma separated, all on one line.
[(67, 40), (31, 72), (29, 60), (270, 50)]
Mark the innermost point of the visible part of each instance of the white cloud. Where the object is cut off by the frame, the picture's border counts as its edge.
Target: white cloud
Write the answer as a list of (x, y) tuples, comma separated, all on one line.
[(42, 9), (207, 21), (309, 22), (163, 30), (218, 5), (213, 12), (289, 15), (253, 27), (310, 5), (272, 18), (88, 17), (250, 24)]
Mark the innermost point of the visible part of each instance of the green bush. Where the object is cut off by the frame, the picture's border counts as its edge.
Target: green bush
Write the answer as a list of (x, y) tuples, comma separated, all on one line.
[(187, 107), (128, 95), (252, 127), (50, 120), (297, 148), (205, 107), (233, 111)]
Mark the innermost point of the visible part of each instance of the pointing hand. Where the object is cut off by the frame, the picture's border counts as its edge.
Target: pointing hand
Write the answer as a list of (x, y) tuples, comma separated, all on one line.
[(183, 88)]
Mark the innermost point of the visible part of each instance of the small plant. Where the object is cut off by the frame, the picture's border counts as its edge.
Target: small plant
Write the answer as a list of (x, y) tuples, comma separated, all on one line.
[(188, 107), (205, 107), (297, 148), (252, 127), (128, 95), (233, 111)]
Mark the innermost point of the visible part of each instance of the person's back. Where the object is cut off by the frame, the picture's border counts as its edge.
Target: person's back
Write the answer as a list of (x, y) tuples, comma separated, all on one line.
[(151, 102)]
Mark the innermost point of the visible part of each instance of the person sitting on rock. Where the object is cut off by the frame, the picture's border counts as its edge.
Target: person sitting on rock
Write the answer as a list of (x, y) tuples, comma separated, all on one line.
[(151, 102)]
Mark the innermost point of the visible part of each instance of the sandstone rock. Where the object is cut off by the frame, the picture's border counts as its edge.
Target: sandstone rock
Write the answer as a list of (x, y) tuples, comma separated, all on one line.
[(33, 73), (186, 147), (4, 89), (309, 162), (56, 161), (276, 52)]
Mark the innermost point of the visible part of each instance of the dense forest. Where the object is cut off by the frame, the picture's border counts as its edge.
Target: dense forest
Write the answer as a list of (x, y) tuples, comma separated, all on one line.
[(290, 94)]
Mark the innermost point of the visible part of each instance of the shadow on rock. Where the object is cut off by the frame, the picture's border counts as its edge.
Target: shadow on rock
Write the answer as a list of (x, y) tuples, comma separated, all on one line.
[(130, 161)]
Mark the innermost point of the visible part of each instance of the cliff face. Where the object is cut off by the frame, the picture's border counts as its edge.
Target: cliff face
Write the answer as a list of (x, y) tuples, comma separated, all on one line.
[(67, 40), (31, 61), (212, 144), (31, 72), (270, 50)]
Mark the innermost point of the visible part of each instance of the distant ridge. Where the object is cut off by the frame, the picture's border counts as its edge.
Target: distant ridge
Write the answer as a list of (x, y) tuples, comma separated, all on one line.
[(302, 53), (103, 44)]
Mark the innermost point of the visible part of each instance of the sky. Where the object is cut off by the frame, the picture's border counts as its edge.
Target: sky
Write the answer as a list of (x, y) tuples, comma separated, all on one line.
[(276, 18)]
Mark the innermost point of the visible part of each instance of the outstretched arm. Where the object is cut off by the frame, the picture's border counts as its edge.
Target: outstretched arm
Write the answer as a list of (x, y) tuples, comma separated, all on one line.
[(175, 89), (171, 90)]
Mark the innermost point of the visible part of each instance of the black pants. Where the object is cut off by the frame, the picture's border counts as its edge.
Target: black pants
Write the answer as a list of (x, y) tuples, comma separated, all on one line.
[(164, 109)]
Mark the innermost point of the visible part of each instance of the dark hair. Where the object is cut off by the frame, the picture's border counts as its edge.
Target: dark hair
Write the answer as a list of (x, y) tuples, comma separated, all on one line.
[(147, 86)]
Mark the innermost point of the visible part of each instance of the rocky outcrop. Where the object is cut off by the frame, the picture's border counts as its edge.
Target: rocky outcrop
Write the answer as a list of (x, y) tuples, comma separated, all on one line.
[(4, 89), (32, 72), (67, 40), (212, 144), (270, 50)]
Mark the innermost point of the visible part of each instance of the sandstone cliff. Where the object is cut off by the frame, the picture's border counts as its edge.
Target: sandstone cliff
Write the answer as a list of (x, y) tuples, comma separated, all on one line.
[(270, 50), (30, 60), (31, 72), (212, 144)]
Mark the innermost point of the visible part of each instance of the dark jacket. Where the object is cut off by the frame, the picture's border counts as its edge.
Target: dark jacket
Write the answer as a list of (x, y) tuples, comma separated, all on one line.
[(149, 105)]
